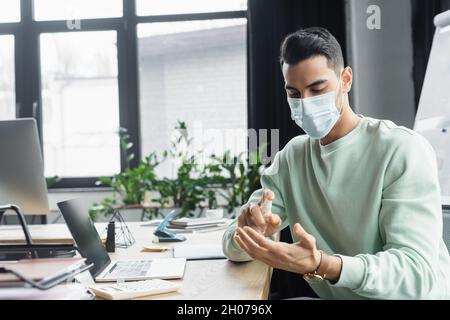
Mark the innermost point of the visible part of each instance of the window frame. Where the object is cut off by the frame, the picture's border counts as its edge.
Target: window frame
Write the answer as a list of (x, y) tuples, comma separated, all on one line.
[(28, 74)]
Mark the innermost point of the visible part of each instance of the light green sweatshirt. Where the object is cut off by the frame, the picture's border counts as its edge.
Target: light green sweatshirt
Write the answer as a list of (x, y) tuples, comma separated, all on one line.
[(371, 197)]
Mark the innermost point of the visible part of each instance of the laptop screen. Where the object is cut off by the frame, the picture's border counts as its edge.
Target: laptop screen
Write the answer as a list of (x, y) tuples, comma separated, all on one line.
[(83, 231)]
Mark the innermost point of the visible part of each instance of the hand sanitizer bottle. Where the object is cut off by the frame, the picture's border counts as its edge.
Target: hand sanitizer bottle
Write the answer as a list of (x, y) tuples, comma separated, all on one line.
[(266, 205)]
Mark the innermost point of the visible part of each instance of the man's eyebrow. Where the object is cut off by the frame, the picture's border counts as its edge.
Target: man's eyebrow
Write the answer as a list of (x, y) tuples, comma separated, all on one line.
[(290, 88), (322, 81), (315, 83)]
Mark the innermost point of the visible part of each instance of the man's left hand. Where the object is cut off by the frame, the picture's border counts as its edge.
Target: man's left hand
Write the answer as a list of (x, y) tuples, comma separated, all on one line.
[(300, 257)]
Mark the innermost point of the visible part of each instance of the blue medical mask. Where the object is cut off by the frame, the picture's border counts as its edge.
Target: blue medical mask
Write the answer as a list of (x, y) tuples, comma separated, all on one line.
[(316, 115)]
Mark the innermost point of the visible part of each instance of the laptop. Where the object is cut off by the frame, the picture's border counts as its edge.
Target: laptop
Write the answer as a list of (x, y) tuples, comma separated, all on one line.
[(105, 270)]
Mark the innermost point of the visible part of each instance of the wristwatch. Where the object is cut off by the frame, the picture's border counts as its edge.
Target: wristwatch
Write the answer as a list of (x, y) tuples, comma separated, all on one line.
[(320, 274)]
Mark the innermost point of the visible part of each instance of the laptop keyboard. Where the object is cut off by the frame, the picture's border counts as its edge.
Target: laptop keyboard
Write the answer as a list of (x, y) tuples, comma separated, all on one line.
[(130, 269)]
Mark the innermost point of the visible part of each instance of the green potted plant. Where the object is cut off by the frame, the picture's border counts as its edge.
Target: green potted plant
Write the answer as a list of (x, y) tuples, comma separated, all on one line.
[(188, 190), (195, 185), (51, 181), (236, 177), (129, 186)]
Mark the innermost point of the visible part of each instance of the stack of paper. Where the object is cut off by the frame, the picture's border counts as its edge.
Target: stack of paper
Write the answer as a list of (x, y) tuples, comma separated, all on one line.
[(198, 224)]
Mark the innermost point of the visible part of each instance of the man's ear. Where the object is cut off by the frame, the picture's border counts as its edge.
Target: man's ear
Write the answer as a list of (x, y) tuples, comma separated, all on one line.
[(347, 79)]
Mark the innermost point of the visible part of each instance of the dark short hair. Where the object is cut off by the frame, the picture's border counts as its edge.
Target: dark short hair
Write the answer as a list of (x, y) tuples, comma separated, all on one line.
[(310, 42)]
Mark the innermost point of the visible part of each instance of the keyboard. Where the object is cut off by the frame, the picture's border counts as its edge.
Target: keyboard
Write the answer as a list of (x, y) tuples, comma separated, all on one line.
[(134, 289), (130, 269)]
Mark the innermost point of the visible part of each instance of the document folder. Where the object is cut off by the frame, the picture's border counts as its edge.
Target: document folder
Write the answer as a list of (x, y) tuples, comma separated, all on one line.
[(40, 273)]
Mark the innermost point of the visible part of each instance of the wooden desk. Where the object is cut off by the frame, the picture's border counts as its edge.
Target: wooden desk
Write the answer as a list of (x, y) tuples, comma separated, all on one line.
[(206, 279)]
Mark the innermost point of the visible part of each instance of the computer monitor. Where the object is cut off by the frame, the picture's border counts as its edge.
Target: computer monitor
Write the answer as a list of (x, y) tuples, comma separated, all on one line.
[(22, 180)]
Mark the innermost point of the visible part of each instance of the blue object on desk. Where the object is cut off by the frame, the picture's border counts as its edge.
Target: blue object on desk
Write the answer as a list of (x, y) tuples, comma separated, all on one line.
[(166, 235)]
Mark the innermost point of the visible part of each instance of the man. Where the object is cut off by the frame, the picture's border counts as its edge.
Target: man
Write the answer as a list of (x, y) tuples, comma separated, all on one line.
[(361, 196)]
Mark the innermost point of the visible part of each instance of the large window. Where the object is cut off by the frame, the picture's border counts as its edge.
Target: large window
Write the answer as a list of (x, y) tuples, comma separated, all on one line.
[(9, 11), (76, 9), (85, 68), (161, 7), (7, 93), (80, 103), (193, 71)]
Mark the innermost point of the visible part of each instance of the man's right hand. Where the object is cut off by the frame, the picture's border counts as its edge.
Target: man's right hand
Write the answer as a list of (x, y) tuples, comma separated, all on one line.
[(252, 216)]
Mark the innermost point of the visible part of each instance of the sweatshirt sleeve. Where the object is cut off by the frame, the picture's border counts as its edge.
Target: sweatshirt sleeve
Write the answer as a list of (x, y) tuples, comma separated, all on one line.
[(410, 225), (269, 180)]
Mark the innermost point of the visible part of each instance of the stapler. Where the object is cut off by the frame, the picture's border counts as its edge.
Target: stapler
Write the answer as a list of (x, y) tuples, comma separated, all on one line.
[(166, 235)]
